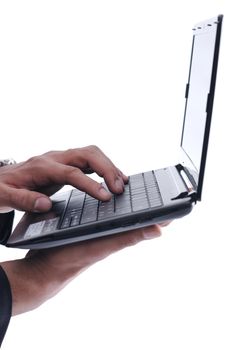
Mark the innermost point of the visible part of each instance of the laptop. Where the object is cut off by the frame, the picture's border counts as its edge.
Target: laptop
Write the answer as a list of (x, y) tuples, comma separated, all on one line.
[(150, 197)]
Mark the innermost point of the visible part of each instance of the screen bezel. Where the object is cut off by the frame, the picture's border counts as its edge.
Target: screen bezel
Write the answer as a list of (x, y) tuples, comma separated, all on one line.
[(191, 170)]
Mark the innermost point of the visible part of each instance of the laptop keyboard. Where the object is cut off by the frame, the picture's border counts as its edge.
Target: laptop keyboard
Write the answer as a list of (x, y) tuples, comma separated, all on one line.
[(141, 192)]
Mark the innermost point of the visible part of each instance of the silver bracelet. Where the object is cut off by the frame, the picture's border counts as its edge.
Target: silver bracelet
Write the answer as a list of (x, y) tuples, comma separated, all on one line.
[(8, 161)]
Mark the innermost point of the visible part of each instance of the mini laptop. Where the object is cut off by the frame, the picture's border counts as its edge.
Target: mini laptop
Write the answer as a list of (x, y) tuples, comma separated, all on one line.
[(150, 197)]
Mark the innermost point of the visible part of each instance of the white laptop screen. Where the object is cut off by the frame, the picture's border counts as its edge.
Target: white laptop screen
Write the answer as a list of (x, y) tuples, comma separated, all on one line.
[(198, 91), (199, 98)]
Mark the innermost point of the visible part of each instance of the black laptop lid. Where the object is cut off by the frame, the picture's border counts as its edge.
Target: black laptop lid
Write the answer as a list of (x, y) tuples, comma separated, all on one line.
[(199, 98)]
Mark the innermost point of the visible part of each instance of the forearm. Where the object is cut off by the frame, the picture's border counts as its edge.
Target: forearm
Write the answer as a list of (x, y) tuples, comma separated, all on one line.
[(29, 286), (5, 304)]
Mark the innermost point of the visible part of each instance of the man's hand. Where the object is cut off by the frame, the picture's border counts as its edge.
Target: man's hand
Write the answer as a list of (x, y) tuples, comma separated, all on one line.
[(43, 273), (26, 186)]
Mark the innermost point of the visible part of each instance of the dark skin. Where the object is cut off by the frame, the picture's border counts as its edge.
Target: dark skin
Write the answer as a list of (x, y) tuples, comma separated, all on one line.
[(27, 186)]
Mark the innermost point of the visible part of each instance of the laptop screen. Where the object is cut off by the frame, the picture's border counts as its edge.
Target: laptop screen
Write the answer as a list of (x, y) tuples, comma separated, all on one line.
[(199, 95)]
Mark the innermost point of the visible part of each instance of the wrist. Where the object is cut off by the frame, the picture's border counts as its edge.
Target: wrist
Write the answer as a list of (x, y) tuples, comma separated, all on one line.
[(3, 192), (23, 286), (29, 286)]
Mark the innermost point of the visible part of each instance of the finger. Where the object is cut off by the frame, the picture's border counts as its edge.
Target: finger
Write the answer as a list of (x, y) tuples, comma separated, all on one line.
[(104, 167), (63, 174), (91, 158), (22, 199), (93, 251), (124, 177), (165, 223)]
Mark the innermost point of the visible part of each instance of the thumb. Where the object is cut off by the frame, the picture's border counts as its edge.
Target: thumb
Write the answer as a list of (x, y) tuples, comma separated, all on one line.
[(26, 200)]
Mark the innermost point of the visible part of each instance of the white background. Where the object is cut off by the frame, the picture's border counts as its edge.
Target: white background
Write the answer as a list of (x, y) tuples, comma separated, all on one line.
[(113, 73)]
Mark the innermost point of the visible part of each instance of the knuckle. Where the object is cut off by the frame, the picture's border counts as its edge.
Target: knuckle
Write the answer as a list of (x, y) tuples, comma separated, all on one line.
[(93, 149), (68, 155), (32, 165), (40, 159), (69, 152), (37, 162), (35, 159), (32, 159), (70, 172), (50, 154)]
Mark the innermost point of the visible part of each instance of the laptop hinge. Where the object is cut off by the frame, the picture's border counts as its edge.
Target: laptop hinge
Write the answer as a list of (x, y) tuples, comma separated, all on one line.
[(189, 184), (187, 90)]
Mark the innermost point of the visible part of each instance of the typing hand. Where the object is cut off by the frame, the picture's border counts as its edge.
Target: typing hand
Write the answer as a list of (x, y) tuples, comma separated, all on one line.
[(27, 185)]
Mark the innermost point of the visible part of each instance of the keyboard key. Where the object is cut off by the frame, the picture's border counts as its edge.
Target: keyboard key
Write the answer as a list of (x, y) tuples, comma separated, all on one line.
[(75, 219), (139, 204), (66, 221), (89, 210), (141, 193), (123, 202), (76, 200), (106, 209)]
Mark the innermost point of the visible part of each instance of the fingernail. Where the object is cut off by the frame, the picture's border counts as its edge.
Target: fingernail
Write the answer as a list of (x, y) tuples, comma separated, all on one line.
[(42, 204), (104, 193)]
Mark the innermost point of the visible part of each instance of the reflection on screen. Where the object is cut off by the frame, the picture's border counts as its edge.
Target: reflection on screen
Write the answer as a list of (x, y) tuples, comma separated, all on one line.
[(199, 86)]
